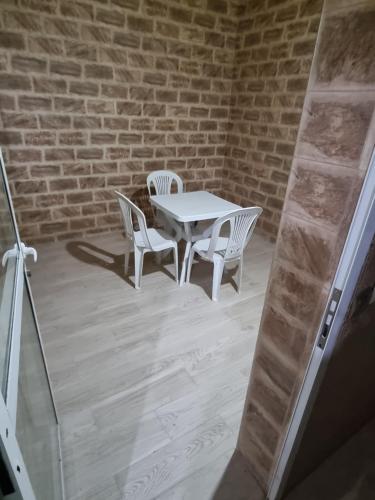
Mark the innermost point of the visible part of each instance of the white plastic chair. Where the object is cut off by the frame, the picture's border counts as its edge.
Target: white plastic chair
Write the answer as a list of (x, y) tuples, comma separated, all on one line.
[(221, 250), (143, 241), (162, 181)]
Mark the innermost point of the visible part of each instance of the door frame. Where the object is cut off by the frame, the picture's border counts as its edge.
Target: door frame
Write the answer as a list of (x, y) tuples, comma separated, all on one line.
[(12, 456), (10, 450), (33, 310), (353, 256)]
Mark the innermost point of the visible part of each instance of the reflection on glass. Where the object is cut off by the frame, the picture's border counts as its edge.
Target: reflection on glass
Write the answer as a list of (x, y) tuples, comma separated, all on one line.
[(36, 428), (7, 278)]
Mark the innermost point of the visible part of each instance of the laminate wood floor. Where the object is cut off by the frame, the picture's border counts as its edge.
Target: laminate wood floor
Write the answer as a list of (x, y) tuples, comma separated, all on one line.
[(149, 384)]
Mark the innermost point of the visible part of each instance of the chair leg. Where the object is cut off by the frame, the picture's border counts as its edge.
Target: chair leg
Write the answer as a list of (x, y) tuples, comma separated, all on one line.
[(126, 260), (175, 253), (216, 281), (190, 263), (158, 258), (138, 266), (239, 274)]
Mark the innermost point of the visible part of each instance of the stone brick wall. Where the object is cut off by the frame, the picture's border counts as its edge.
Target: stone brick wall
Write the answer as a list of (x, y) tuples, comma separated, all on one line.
[(333, 151), (276, 42), (96, 94)]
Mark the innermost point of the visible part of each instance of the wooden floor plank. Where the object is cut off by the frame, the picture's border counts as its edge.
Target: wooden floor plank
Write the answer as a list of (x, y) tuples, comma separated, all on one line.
[(167, 466), (149, 384)]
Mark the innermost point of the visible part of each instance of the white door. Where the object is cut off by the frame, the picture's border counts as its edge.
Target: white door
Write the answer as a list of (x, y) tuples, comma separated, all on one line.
[(356, 247), (30, 459)]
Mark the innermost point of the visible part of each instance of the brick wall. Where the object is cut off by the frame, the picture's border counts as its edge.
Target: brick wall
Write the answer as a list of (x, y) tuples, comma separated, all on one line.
[(276, 41), (333, 151), (96, 94)]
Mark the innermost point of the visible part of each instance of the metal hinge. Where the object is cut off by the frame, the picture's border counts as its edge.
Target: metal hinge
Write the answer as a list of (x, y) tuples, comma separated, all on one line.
[(330, 314)]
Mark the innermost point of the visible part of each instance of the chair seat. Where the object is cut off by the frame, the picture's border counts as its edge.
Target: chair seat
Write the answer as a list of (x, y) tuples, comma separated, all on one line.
[(159, 239), (220, 249), (201, 246), (144, 240)]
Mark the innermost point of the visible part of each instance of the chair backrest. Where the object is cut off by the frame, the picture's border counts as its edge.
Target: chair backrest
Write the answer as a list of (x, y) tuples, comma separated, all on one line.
[(242, 224), (162, 181), (128, 209)]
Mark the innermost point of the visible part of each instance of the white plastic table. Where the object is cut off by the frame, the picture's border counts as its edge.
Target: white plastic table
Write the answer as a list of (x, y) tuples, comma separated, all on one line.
[(192, 207)]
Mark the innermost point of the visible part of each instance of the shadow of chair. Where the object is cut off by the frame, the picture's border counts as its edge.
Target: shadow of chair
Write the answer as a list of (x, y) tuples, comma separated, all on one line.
[(93, 255), (201, 275)]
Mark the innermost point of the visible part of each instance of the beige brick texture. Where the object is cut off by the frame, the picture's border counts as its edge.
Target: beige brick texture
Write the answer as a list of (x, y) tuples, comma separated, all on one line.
[(276, 41), (96, 94), (332, 156)]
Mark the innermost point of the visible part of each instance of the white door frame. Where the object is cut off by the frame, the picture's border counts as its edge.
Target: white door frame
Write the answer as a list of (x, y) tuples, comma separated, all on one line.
[(355, 250), (12, 455), (10, 450)]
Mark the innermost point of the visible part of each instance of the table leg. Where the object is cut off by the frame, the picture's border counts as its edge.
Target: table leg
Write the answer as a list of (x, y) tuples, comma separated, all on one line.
[(187, 252), (207, 232)]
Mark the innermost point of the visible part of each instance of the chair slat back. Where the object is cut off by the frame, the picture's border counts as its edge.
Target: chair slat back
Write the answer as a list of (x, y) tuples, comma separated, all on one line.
[(242, 224), (128, 209), (162, 181)]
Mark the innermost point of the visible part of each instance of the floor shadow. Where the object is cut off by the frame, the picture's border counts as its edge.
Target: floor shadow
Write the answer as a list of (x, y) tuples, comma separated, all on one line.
[(95, 256), (202, 275), (238, 482)]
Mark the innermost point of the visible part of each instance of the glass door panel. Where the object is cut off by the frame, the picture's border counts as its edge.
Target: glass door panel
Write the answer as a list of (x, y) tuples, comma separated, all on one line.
[(36, 429), (8, 267), (29, 431)]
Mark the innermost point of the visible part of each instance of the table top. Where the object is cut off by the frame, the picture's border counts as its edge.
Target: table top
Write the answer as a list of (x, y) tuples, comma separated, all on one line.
[(194, 206)]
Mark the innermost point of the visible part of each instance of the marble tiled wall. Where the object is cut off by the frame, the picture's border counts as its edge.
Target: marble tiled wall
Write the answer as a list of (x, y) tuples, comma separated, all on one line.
[(334, 145)]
